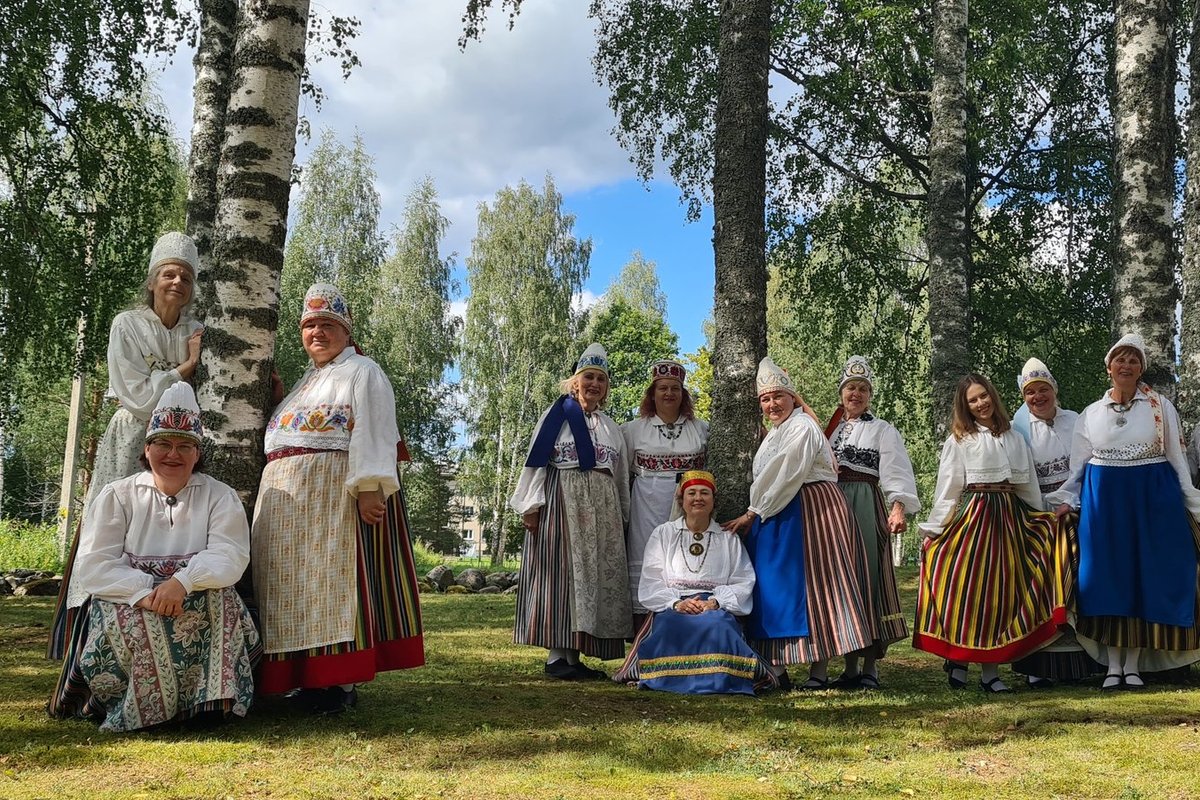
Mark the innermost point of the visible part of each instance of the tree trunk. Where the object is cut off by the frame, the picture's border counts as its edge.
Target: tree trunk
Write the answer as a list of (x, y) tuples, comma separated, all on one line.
[(253, 184), (1144, 290), (739, 245), (946, 235), (213, 62), (1188, 398)]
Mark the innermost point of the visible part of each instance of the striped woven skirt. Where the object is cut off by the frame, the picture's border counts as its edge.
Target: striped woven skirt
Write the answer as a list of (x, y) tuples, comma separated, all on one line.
[(990, 587), (836, 585), (573, 590), (694, 654), (296, 559), (866, 501), (130, 668)]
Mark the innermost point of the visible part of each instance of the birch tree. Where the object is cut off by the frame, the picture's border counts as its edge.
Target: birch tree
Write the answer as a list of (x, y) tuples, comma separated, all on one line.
[(253, 187), (1188, 399), (739, 244), (1144, 292), (524, 269), (946, 231)]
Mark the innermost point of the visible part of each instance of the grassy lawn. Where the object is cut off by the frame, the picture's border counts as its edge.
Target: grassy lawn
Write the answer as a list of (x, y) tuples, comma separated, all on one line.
[(480, 721)]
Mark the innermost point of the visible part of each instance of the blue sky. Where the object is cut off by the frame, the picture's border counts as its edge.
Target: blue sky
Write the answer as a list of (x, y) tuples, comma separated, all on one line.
[(517, 105)]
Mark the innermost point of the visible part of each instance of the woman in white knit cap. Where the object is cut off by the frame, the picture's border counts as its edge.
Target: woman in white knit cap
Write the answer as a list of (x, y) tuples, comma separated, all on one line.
[(812, 598), (1048, 429), (149, 348), (1137, 527), (573, 498), (876, 475)]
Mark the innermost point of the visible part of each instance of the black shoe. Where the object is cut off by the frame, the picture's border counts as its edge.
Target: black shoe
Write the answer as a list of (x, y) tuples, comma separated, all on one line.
[(950, 667), (1112, 683), (846, 681), (335, 700), (584, 672), (814, 685), (868, 681), (562, 670), (1039, 683), (305, 700), (994, 686), (1133, 681)]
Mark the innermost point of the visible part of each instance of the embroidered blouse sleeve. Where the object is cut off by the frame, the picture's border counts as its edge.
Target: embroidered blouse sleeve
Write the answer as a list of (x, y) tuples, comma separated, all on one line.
[(653, 590), (951, 480), (737, 596), (896, 477), (227, 551), (1173, 444), (784, 474), (102, 566), (136, 385), (1081, 454), (373, 441), (530, 493)]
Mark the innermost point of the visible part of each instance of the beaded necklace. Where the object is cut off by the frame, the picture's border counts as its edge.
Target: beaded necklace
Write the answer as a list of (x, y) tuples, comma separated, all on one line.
[(695, 549)]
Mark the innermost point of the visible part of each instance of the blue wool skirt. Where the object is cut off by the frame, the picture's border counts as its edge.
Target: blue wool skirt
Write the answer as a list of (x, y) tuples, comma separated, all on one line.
[(776, 548), (693, 654), (1137, 556)]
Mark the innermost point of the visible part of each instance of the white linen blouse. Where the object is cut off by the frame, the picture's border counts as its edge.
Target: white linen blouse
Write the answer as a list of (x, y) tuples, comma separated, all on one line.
[(349, 395), (981, 458), (130, 519), (875, 447), (651, 449), (609, 445), (1051, 446), (793, 453), (1099, 440), (670, 572), (143, 356)]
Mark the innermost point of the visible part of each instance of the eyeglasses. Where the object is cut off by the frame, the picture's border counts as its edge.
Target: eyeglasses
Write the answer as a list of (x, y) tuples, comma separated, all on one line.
[(163, 448)]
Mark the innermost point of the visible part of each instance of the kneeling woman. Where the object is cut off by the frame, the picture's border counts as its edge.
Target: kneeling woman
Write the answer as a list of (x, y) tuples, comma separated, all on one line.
[(695, 579), (987, 591), (164, 635)]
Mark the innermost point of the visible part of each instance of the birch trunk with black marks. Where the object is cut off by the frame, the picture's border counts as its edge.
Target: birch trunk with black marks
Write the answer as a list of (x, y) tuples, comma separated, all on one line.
[(946, 234), (1144, 292), (212, 63), (739, 245), (1188, 396), (253, 185)]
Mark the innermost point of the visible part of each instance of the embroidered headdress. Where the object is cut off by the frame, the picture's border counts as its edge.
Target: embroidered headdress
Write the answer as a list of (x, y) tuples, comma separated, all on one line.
[(773, 378), (857, 369), (323, 300), (697, 476), (594, 357), (1133, 340), (1035, 370), (177, 414), (174, 248), (666, 368)]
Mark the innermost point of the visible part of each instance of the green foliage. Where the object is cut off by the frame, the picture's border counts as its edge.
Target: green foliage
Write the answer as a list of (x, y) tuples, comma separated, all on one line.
[(25, 545), (634, 339)]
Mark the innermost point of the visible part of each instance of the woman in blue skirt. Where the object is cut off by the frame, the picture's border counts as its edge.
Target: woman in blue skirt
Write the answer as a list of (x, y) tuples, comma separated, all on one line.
[(1137, 532)]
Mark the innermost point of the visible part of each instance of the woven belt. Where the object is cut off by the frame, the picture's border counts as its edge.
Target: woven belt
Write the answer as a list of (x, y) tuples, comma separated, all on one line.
[(847, 475), (285, 452), (991, 487)]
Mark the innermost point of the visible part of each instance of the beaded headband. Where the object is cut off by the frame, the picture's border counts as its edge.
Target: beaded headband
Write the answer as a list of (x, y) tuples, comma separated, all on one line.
[(697, 476)]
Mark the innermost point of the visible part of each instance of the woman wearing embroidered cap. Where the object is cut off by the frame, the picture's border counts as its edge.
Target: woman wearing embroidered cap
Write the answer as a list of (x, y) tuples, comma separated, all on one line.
[(573, 497), (164, 635), (874, 472), (664, 441), (149, 348), (332, 563), (987, 591), (1137, 527), (1048, 429), (695, 579), (812, 599)]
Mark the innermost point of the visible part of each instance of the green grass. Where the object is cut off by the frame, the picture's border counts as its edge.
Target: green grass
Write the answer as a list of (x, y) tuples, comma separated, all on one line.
[(480, 721), (426, 560), (27, 546)]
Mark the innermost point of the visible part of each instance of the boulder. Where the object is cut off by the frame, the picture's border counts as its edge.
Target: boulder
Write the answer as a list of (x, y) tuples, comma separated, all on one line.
[(425, 587), (510, 590), (471, 578), (5, 588), (40, 587), (498, 580), (490, 590), (441, 576), (456, 589)]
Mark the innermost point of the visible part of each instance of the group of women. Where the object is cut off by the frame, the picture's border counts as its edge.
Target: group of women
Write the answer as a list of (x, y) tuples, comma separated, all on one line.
[(149, 624), (1063, 544)]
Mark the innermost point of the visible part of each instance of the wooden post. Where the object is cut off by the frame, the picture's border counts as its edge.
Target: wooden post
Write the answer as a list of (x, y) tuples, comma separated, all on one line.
[(66, 497)]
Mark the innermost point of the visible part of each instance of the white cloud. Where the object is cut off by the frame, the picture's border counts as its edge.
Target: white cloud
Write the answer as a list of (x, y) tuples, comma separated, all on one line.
[(584, 300)]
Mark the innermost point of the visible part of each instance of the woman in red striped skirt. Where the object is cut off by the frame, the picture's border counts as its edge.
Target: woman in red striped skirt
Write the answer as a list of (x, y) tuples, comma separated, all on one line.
[(986, 591)]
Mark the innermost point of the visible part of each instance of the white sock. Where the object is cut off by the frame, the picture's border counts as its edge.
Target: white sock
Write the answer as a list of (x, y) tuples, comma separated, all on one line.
[(819, 670), (559, 654), (1132, 656)]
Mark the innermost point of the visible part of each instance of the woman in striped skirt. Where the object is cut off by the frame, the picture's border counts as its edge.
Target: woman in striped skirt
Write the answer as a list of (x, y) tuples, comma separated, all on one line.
[(573, 498), (874, 472), (1138, 566), (812, 598), (987, 591), (332, 563)]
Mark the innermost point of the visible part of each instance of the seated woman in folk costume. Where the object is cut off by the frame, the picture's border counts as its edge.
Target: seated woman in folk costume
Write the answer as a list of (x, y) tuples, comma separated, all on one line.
[(696, 579)]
